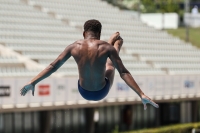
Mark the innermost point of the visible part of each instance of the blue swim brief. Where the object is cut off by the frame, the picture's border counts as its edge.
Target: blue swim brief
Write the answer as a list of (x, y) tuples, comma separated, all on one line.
[(95, 95)]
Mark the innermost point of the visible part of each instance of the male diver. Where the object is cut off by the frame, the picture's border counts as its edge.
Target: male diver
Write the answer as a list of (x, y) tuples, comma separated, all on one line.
[(96, 60)]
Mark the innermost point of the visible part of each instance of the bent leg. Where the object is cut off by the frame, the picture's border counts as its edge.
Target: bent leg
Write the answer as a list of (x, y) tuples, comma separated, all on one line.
[(110, 68), (110, 71)]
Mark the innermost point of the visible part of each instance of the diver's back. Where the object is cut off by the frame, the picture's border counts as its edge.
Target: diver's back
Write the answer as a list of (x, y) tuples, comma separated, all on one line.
[(91, 56)]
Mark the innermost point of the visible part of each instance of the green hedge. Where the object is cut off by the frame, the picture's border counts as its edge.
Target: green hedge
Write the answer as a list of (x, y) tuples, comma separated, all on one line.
[(178, 128)]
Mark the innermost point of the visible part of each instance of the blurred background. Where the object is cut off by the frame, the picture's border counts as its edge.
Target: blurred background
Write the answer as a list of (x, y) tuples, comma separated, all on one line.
[(161, 50)]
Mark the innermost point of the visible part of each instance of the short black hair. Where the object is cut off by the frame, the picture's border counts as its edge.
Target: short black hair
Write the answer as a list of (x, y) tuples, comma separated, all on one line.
[(92, 25)]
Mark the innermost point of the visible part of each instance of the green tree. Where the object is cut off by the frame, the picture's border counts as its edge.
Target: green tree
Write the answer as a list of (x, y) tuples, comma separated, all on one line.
[(168, 6), (148, 6)]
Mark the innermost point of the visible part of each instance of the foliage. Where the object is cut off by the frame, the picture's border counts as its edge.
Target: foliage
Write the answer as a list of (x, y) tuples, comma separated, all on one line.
[(179, 128), (117, 3), (168, 6), (116, 130), (148, 6)]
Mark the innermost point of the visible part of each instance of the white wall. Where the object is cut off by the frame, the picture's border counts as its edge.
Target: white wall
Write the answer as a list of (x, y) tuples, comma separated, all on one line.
[(159, 20), (193, 20), (64, 91)]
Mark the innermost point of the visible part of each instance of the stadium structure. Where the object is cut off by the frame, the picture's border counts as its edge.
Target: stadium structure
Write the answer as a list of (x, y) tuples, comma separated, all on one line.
[(34, 32)]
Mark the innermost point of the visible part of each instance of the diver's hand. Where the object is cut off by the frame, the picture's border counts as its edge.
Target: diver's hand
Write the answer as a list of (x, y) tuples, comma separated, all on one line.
[(26, 88), (145, 99)]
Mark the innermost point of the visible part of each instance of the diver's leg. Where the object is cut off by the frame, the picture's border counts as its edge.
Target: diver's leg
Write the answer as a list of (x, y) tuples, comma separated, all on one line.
[(110, 69)]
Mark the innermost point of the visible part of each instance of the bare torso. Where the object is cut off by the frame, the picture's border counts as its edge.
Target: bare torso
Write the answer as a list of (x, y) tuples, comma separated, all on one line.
[(91, 56)]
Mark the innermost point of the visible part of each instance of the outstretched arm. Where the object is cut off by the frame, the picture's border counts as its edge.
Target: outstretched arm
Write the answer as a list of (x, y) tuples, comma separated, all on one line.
[(127, 77), (57, 63)]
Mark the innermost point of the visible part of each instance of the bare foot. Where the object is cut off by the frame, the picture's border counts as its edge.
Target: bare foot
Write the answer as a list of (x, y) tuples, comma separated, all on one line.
[(146, 99), (118, 44), (113, 38)]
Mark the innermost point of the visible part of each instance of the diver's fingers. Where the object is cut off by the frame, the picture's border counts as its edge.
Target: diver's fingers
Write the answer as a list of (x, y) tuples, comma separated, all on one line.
[(146, 100), (25, 89), (145, 106), (153, 103), (33, 90)]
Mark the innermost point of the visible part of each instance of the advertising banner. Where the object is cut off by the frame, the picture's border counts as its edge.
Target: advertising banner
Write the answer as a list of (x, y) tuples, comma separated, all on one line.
[(7, 91), (191, 85), (167, 89), (43, 91), (113, 90), (186, 85), (20, 83), (72, 89), (122, 89), (140, 80), (176, 85), (65, 90), (159, 85), (151, 86), (198, 85), (60, 90)]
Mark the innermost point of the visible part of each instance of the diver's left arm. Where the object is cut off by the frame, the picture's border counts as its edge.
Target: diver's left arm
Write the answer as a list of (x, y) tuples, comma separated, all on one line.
[(127, 77)]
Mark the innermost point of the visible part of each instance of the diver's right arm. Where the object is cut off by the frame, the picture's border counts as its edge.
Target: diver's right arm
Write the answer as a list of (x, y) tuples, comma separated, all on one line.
[(57, 63)]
